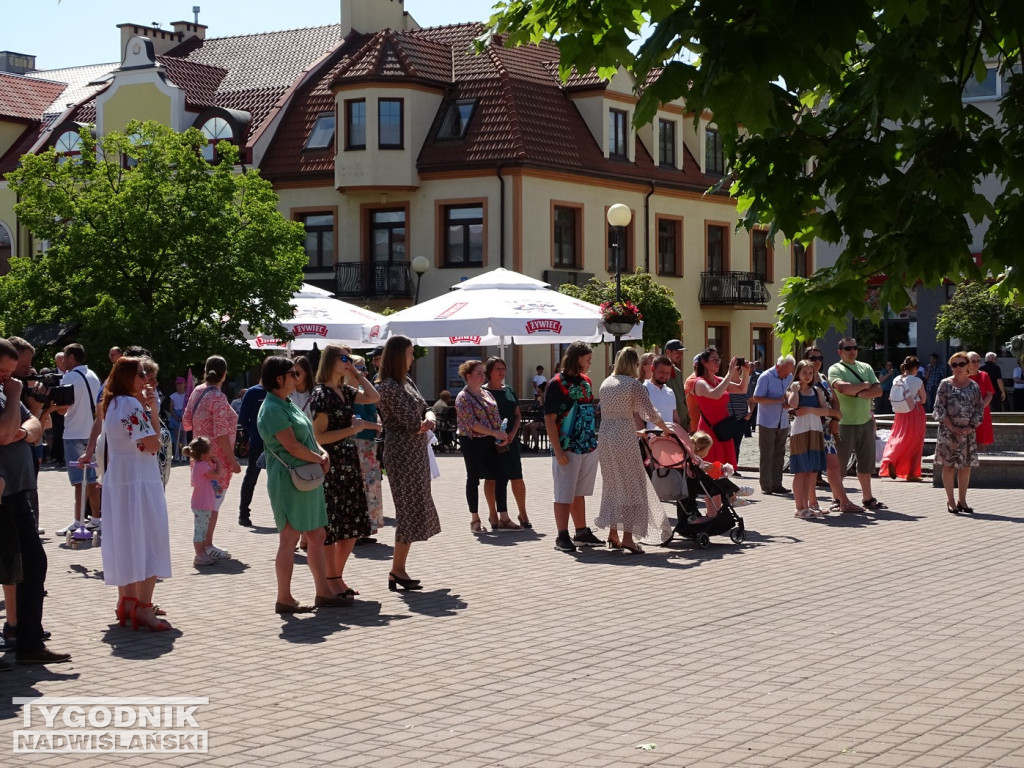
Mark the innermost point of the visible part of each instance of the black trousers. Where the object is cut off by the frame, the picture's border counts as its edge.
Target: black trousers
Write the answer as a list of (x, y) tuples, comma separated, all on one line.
[(33, 562), (252, 471), (483, 463)]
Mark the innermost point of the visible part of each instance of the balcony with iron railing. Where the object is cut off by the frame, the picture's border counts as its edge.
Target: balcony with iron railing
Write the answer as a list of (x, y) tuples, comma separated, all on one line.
[(381, 280), (733, 289)]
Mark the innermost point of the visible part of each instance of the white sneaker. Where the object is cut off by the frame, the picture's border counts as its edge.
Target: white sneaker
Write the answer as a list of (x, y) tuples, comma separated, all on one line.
[(203, 559), (217, 554), (741, 503), (745, 490), (93, 524), (69, 527)]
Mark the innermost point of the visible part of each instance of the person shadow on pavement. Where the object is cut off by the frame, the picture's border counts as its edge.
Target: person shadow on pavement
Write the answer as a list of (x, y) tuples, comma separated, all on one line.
[(436, 603), (140, 645)]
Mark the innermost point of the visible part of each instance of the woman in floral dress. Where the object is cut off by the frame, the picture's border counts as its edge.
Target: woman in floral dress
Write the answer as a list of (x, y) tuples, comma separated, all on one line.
[(637, 512), (407, 419), (335, 426), (366, 445), (958, 410)]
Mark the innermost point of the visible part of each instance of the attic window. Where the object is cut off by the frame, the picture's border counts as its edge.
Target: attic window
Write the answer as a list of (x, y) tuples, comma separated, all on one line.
[(456, 120), (216, 129), (322, 135), (68, 144)]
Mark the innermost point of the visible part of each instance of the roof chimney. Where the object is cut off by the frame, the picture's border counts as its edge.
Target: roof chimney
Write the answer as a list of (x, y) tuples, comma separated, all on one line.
[(369, 16), (163, 39), (189, 29), (17, 63)]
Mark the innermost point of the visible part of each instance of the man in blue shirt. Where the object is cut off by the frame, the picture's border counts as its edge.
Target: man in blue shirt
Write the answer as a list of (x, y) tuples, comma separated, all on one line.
[(247, 414), (773, 422)]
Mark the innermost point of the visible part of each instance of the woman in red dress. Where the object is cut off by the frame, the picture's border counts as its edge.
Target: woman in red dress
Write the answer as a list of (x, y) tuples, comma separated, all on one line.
[(985, 433), (712, 393)]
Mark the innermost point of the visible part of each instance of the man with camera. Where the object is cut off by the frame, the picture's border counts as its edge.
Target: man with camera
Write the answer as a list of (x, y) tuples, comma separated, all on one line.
[(78, 420), (19, 429)]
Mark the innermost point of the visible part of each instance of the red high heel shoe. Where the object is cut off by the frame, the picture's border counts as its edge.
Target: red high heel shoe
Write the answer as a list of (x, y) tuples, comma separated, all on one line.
[(160, 626), (124, 609)]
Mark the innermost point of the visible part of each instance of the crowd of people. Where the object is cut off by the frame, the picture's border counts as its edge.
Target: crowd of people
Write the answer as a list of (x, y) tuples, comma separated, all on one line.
[(326, 437)]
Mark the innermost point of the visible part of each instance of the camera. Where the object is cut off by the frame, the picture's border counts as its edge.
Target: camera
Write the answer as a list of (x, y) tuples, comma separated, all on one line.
[(50, 389), (740, 362)]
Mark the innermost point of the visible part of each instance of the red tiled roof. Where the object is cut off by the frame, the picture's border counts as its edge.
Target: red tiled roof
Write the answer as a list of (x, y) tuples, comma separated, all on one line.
[(524, 116), (199, 81), (389, 54), (25, 98)]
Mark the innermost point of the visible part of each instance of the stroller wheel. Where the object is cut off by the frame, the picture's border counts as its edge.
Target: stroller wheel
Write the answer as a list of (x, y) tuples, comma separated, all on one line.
[(702, 540), (736, 534)]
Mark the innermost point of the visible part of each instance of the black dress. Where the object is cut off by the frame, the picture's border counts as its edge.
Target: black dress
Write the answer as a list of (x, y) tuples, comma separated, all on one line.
[(347, 513)]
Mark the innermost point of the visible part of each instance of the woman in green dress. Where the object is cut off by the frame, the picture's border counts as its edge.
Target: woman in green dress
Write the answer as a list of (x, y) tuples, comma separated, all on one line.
[(288, 442)]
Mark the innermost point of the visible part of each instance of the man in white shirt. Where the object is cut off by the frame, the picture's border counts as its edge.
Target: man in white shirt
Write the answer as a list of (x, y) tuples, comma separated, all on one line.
[(662, 396), (78, 419), (538, 379)]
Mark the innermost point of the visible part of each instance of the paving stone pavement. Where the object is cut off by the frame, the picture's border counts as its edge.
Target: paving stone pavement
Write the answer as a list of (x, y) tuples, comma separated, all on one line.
[(889, 639)]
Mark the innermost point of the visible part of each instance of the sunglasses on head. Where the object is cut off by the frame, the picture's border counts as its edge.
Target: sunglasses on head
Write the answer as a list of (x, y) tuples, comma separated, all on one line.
[(962, 364), (850, 349), (812, 358)]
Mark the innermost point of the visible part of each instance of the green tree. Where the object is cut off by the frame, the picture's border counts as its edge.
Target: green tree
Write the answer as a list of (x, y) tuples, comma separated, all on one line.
[(979, 318), (150, 244), (840, 121), (656, 303)]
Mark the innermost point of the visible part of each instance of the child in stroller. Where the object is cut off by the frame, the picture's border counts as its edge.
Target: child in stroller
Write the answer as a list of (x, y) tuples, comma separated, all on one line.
[(677, 451)]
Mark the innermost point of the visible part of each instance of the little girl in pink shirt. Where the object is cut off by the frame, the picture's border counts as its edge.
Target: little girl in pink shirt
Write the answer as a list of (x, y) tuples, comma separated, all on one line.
[(207, 495)]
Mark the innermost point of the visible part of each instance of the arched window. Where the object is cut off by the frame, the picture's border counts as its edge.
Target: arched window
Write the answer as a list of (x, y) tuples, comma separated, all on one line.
[(6, 248), (216, 129), (68, 144)]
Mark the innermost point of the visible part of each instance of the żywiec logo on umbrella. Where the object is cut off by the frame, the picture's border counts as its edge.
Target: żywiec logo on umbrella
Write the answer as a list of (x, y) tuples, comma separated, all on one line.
[(543, 326), (475, 340), (262, 341), (309, 329)]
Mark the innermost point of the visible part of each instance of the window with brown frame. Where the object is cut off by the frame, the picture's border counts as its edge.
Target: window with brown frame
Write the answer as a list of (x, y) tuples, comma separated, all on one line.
[(717, 248), (762, 345), (802, 262), (319, 241), (670, 247), (566, 226), (717, 336), (761, 255), (463, 227)]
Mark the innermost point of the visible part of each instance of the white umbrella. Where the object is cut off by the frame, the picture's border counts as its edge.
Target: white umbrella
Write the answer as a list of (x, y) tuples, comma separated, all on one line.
[(321, 319), (499, 307)]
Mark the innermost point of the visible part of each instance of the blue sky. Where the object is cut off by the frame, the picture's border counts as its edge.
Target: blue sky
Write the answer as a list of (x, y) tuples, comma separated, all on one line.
[(76, 32)]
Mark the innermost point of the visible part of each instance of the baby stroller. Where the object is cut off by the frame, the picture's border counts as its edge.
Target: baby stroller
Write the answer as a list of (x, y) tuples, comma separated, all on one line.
[(677, 477)]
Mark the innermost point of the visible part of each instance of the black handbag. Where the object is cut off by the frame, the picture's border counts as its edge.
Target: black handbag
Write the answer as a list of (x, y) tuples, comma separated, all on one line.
[(728, 429)]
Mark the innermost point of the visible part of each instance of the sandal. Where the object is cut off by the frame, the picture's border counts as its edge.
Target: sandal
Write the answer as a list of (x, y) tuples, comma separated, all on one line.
[(818, 511), (804, 514), (874, 504), (851, 508), (525, 523), (633, 549), (284, 608), (507, 525), (349, 592), (477, 527), (613, 544), (964, 509)]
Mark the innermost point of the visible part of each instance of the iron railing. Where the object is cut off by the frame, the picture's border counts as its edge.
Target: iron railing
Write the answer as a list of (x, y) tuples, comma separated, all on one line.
[(742, 288), (377, 280)]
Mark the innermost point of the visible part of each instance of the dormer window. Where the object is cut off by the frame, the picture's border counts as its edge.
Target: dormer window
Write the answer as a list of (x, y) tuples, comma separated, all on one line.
[(617, 133), (667, 143), (714, 155), (68, 145), (216, 130), (456, 120), (322, 135)]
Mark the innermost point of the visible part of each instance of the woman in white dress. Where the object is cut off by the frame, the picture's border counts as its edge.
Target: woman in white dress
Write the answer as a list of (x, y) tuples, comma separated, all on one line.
[(136, 542), (637, 512)]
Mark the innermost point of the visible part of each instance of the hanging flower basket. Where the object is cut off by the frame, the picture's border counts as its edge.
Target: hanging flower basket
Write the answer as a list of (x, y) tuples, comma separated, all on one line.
[(620, 316)]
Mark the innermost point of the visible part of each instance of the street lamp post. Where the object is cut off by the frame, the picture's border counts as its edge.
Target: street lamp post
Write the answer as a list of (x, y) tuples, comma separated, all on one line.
[(419, 265), (619, 217)]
